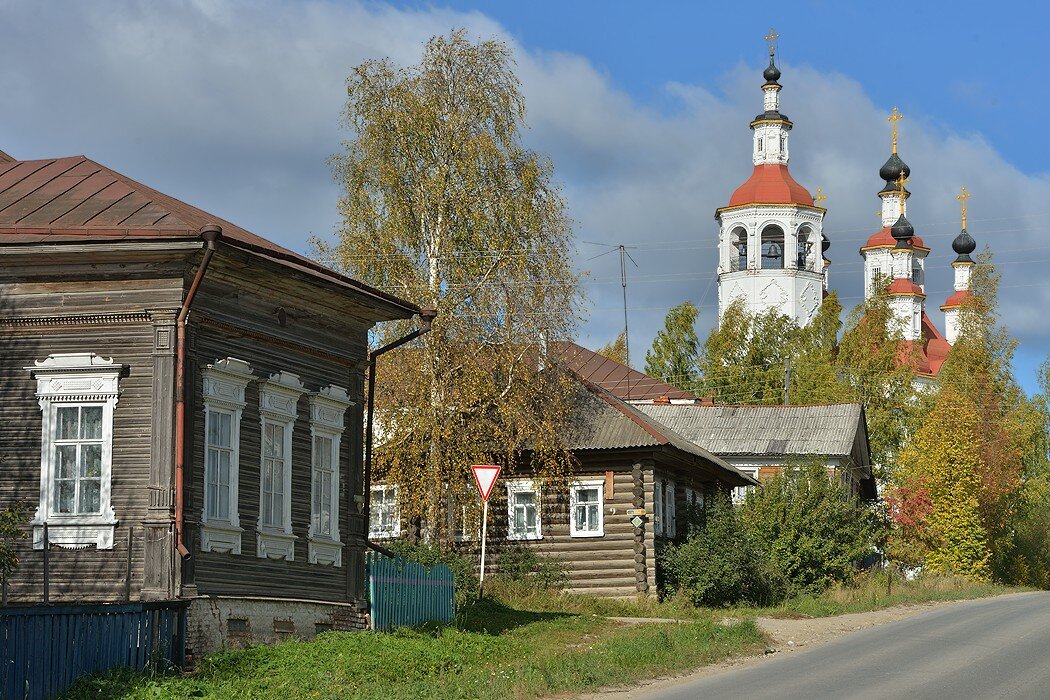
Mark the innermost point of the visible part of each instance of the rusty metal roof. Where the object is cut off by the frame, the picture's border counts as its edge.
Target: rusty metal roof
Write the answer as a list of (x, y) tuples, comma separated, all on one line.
[(829, 430), (623, 382), (75, 199), (604, 422)]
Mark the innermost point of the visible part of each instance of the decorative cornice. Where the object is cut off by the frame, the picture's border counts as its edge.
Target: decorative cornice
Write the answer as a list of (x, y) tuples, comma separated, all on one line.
[(77, 320)]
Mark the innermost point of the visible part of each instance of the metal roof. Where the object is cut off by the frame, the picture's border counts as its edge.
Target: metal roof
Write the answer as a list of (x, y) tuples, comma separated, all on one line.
[(75, 199), (623, 382), (765, 430), (604, 422)]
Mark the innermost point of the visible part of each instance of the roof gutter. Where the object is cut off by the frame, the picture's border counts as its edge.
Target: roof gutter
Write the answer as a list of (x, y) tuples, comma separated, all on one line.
[(210, 233), (426, 317)]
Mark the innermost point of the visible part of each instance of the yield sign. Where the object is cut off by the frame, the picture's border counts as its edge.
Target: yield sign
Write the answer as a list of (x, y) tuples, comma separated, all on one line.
[(485, 476)]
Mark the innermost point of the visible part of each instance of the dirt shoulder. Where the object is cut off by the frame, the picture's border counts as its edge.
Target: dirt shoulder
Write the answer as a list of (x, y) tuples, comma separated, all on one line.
[(786, 636)]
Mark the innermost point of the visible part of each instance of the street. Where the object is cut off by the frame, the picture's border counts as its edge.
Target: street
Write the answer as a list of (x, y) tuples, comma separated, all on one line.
[(992, 648)]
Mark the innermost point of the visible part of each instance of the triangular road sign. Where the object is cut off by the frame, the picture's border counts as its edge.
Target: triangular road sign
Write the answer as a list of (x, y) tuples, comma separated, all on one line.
[(485, 477)]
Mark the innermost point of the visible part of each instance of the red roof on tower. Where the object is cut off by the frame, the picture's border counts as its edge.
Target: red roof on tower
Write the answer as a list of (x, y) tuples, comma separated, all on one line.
[(884, 238), (957, 299), (771, 184)]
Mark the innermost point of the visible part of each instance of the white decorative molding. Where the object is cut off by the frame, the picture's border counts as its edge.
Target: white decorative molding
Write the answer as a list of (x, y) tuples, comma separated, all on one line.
[(223, 384), (327, 410), (328, 406), (67, 380), (275, 545), (325, 552), (279, 396)]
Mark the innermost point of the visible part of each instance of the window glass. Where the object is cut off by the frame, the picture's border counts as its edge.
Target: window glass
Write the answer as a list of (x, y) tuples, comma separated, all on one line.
[(77, 471), (586, 505), (524, 520), (321, 511)]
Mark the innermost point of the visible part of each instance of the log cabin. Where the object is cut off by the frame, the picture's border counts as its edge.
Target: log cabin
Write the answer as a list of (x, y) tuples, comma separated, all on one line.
[(182, 408)]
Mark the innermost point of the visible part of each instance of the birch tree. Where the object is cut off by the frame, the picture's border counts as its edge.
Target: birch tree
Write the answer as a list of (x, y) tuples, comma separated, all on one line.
[(443, 205)]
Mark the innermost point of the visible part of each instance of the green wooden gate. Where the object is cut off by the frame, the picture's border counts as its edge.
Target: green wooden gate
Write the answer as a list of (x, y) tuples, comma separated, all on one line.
[(403, 593)]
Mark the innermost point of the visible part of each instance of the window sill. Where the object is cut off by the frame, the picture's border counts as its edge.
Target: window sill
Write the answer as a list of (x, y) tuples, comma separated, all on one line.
[(275, 544), (587, 534), (523, 537), (383, 535), (325, 552), (221, 537), (76, 532)]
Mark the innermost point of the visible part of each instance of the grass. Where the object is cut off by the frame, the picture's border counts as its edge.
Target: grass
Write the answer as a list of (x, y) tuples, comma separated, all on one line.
[(521, 644), (496, 652)]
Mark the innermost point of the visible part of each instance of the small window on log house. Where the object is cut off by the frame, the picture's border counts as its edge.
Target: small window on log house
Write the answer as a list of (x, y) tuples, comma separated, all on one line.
[(586, 508)]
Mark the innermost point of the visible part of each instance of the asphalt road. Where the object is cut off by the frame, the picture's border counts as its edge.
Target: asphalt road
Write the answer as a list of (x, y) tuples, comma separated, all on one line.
[(992, 648)]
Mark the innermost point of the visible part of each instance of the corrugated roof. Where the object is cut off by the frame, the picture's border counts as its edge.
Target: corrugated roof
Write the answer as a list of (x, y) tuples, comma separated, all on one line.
[(604, 422), (764, 430), (62, 200), (619, 379)]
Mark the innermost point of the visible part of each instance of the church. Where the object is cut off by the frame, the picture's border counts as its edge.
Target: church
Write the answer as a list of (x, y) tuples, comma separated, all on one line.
[(772, 246)]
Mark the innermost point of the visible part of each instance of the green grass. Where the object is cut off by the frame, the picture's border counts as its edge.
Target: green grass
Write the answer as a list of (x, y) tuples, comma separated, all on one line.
[(497, 652)]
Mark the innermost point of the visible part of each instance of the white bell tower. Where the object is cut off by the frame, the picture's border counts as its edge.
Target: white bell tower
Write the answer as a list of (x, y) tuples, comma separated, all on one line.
[(771, 233)]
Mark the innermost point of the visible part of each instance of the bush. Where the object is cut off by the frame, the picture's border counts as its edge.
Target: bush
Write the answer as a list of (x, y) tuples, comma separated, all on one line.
[(524, 565), (719, 563), (463, 568), (809, 528)]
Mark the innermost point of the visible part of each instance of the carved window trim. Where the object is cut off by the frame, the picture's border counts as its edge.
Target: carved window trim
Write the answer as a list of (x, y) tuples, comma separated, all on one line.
[(66, 380), (327, 409), (522, 486), (575, 503), (278, 406), (223, 385)]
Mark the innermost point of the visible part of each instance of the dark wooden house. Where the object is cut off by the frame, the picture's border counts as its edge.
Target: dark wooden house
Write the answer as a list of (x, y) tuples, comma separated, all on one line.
[(181, 407)]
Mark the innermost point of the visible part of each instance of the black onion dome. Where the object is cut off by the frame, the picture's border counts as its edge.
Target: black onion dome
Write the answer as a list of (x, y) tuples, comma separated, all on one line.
[(964, 244), (824, 244), (902, 231), (892, 169), (771, 73)]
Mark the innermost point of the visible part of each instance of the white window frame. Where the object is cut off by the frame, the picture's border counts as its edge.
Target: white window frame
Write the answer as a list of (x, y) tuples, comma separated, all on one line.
[(278, 406), (327, 409), (395, 512), (670, 514), (574, 488), (67, 380), (658, 506), (515, 486), (740, 492), (223, 388)]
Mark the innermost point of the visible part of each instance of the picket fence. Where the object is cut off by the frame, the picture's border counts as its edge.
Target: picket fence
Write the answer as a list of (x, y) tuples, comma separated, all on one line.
[(404, 593), (44, 649)]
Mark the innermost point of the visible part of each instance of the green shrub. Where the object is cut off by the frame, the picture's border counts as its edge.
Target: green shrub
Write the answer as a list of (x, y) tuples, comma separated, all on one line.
[(719, 563), (463, 568), (524, 565), (808, 527)]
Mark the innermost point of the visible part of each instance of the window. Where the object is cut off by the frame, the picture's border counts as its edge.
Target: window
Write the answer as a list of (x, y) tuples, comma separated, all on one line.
[(772, 248), (761, 144), (523, 510), (223, 389), (585, 508), (278, 406), (658, 507), (670, 517), (740, 492), (77, 393), (695, 502), (384, 520), (327, 408)]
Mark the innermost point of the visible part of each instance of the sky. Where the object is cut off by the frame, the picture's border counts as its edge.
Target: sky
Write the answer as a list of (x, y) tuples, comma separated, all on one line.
[(234, 106)]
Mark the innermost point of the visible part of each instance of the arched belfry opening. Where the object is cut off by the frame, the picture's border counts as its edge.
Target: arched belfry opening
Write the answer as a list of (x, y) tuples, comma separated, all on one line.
[(804, 258), (772, 248), (739, 256)]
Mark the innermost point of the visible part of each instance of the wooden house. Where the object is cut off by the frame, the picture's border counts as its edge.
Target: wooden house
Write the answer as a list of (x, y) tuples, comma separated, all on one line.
[(182, 407)]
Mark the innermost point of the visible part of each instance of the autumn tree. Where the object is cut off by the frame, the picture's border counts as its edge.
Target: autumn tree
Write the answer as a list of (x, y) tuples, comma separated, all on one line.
[(616, 350), (942, 465), (443, 205), (676, 349)]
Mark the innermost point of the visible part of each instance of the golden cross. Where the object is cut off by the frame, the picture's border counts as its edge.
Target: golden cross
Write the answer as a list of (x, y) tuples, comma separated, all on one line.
[(900, 183), (771, 38), (963, 196), (821, 197), (895, 116)]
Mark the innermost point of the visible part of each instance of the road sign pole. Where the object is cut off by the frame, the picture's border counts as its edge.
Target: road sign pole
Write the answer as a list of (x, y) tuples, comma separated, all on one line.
[(484, 536)]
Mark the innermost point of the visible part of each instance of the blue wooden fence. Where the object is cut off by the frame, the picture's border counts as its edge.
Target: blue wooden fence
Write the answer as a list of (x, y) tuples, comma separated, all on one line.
[(44, 649), (404, 593)]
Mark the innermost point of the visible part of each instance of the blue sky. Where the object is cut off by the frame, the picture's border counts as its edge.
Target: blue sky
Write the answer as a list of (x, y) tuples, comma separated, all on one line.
[(233, 105)]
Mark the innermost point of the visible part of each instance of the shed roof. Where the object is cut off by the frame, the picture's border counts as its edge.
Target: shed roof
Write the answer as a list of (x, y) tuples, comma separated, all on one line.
[(604, 422), (829, 429), (620, 380), (75, 199)]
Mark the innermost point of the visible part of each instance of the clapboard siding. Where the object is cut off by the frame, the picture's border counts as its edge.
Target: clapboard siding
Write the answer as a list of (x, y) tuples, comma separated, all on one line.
[(86, 574), (275, 332)]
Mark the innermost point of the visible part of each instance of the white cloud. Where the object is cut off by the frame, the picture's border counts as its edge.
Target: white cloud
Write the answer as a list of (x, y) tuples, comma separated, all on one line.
[(234, 106)]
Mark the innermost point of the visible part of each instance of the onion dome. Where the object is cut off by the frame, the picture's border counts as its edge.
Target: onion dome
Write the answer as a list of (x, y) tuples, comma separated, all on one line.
[(902, 232), (771, 73), (824, 243), (964, 245), (892, 169)]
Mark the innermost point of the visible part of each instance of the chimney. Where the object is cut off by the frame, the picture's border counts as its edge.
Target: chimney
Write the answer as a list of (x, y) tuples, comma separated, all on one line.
[(707, 401), (662, 400)]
